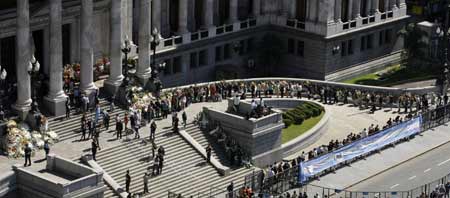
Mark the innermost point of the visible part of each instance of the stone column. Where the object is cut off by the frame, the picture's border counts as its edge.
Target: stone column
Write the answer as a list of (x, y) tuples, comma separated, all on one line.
[(209, 13), (357, 8), (234, 11), (23, 57), (386, 6), (350, 10), (157, 14), (55, 100), (375, 6), (143, 68), (369, 7), (393, 4), (256, 8), (86, 46), (75, 41), (115, 75), (183, 16), (293, 9), (338, 11)]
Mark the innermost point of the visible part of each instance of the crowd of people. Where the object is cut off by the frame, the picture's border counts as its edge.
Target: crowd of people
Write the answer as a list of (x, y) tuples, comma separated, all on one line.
[(174, 101)]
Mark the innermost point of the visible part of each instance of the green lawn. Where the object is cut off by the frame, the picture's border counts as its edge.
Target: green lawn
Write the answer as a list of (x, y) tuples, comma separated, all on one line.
[(294, 131), (397, 75)]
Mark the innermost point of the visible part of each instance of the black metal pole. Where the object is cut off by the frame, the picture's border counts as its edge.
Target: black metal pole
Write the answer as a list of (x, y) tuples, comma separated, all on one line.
[(153, 44)]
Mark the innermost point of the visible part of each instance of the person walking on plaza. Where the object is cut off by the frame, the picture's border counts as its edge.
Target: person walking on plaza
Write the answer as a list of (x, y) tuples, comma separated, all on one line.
[(27, 151), (46, 149), (175, 124), (184, 117), (145, 183), (153, 130), (161, 163), (208, 153), (127, 181), (94, 147)]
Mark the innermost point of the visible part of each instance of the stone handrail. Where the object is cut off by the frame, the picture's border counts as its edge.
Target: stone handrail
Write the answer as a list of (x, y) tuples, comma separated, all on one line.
[(394, 91), (7, 183), (36, 182), (116, 187), (223, 170)]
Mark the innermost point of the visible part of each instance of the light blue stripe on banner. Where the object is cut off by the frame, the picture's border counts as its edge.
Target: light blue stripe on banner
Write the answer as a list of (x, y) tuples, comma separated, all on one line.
[(359, 148)]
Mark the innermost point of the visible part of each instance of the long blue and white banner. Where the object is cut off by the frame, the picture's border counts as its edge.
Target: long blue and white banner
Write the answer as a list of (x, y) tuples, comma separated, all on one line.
[(359, 148)]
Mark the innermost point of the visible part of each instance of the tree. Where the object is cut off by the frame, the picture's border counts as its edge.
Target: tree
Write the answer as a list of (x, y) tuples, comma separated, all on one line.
[(415, 45), (269, 53)]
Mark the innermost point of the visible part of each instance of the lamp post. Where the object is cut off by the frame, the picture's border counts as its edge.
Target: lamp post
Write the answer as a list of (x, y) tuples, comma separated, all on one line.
[(126, 49), (443, 34), (3, 88), (156, 84), (33, 71)]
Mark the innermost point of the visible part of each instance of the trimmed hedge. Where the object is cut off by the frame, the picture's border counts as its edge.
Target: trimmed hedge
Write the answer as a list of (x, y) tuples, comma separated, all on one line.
[(301, 113)]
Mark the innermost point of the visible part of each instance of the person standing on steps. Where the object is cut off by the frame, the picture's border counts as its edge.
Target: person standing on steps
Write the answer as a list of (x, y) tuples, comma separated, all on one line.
[(127, 181), (153, 130), (91, 128), (145, 183), (27, 155), (154, 147), (106, 119), (119, 127), (67, 108), (94, 147), (184, 117), (83, 128), (208, 153)]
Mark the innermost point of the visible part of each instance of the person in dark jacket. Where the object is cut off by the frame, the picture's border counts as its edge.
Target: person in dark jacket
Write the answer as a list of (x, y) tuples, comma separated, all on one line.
[(119, 128), (27, 155), (94, 147), (127, 181)]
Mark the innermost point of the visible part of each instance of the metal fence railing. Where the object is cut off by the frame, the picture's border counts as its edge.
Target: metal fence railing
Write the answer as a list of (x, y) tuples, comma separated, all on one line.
[(289, 179)]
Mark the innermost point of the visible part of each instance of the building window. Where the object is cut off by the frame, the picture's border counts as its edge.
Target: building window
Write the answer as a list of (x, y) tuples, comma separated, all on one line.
[(193, 60), (350, 47), (369, 41), (226, 51), (363, 8), (242, 48), (291, 46), (343, 48), (168, 68), (203, 58), (344, 10), (363, 43), (301, 48), (381, 40), (388, 36), (250, 44), (218, 53), (301, 10), (177, 65)]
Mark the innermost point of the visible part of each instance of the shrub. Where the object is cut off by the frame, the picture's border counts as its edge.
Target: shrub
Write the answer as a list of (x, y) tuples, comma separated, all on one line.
[(301, 113), (287, 122)]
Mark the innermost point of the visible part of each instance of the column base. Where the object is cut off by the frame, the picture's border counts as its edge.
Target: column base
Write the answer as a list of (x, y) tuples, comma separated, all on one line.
[(88, 89), (56, 106), (22, 110), (111, 87), (143, 78)]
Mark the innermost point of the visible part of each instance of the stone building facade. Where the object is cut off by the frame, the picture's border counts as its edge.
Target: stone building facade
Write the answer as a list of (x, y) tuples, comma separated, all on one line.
[(321, 39)]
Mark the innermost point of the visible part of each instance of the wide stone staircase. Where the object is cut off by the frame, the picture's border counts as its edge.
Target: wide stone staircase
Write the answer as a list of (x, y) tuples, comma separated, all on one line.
[(185, 170), (70, 129)]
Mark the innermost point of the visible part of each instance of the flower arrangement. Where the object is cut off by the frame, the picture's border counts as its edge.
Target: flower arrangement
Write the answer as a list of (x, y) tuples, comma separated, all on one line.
[(19, 136)]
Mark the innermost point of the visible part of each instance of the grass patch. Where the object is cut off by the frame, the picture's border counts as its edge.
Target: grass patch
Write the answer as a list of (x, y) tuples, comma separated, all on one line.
[(295, 130), (393, 76)]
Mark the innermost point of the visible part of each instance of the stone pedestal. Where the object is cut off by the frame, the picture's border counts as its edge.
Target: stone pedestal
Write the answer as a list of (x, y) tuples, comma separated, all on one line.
[(55, 106), (111, 87), (121, 96)]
